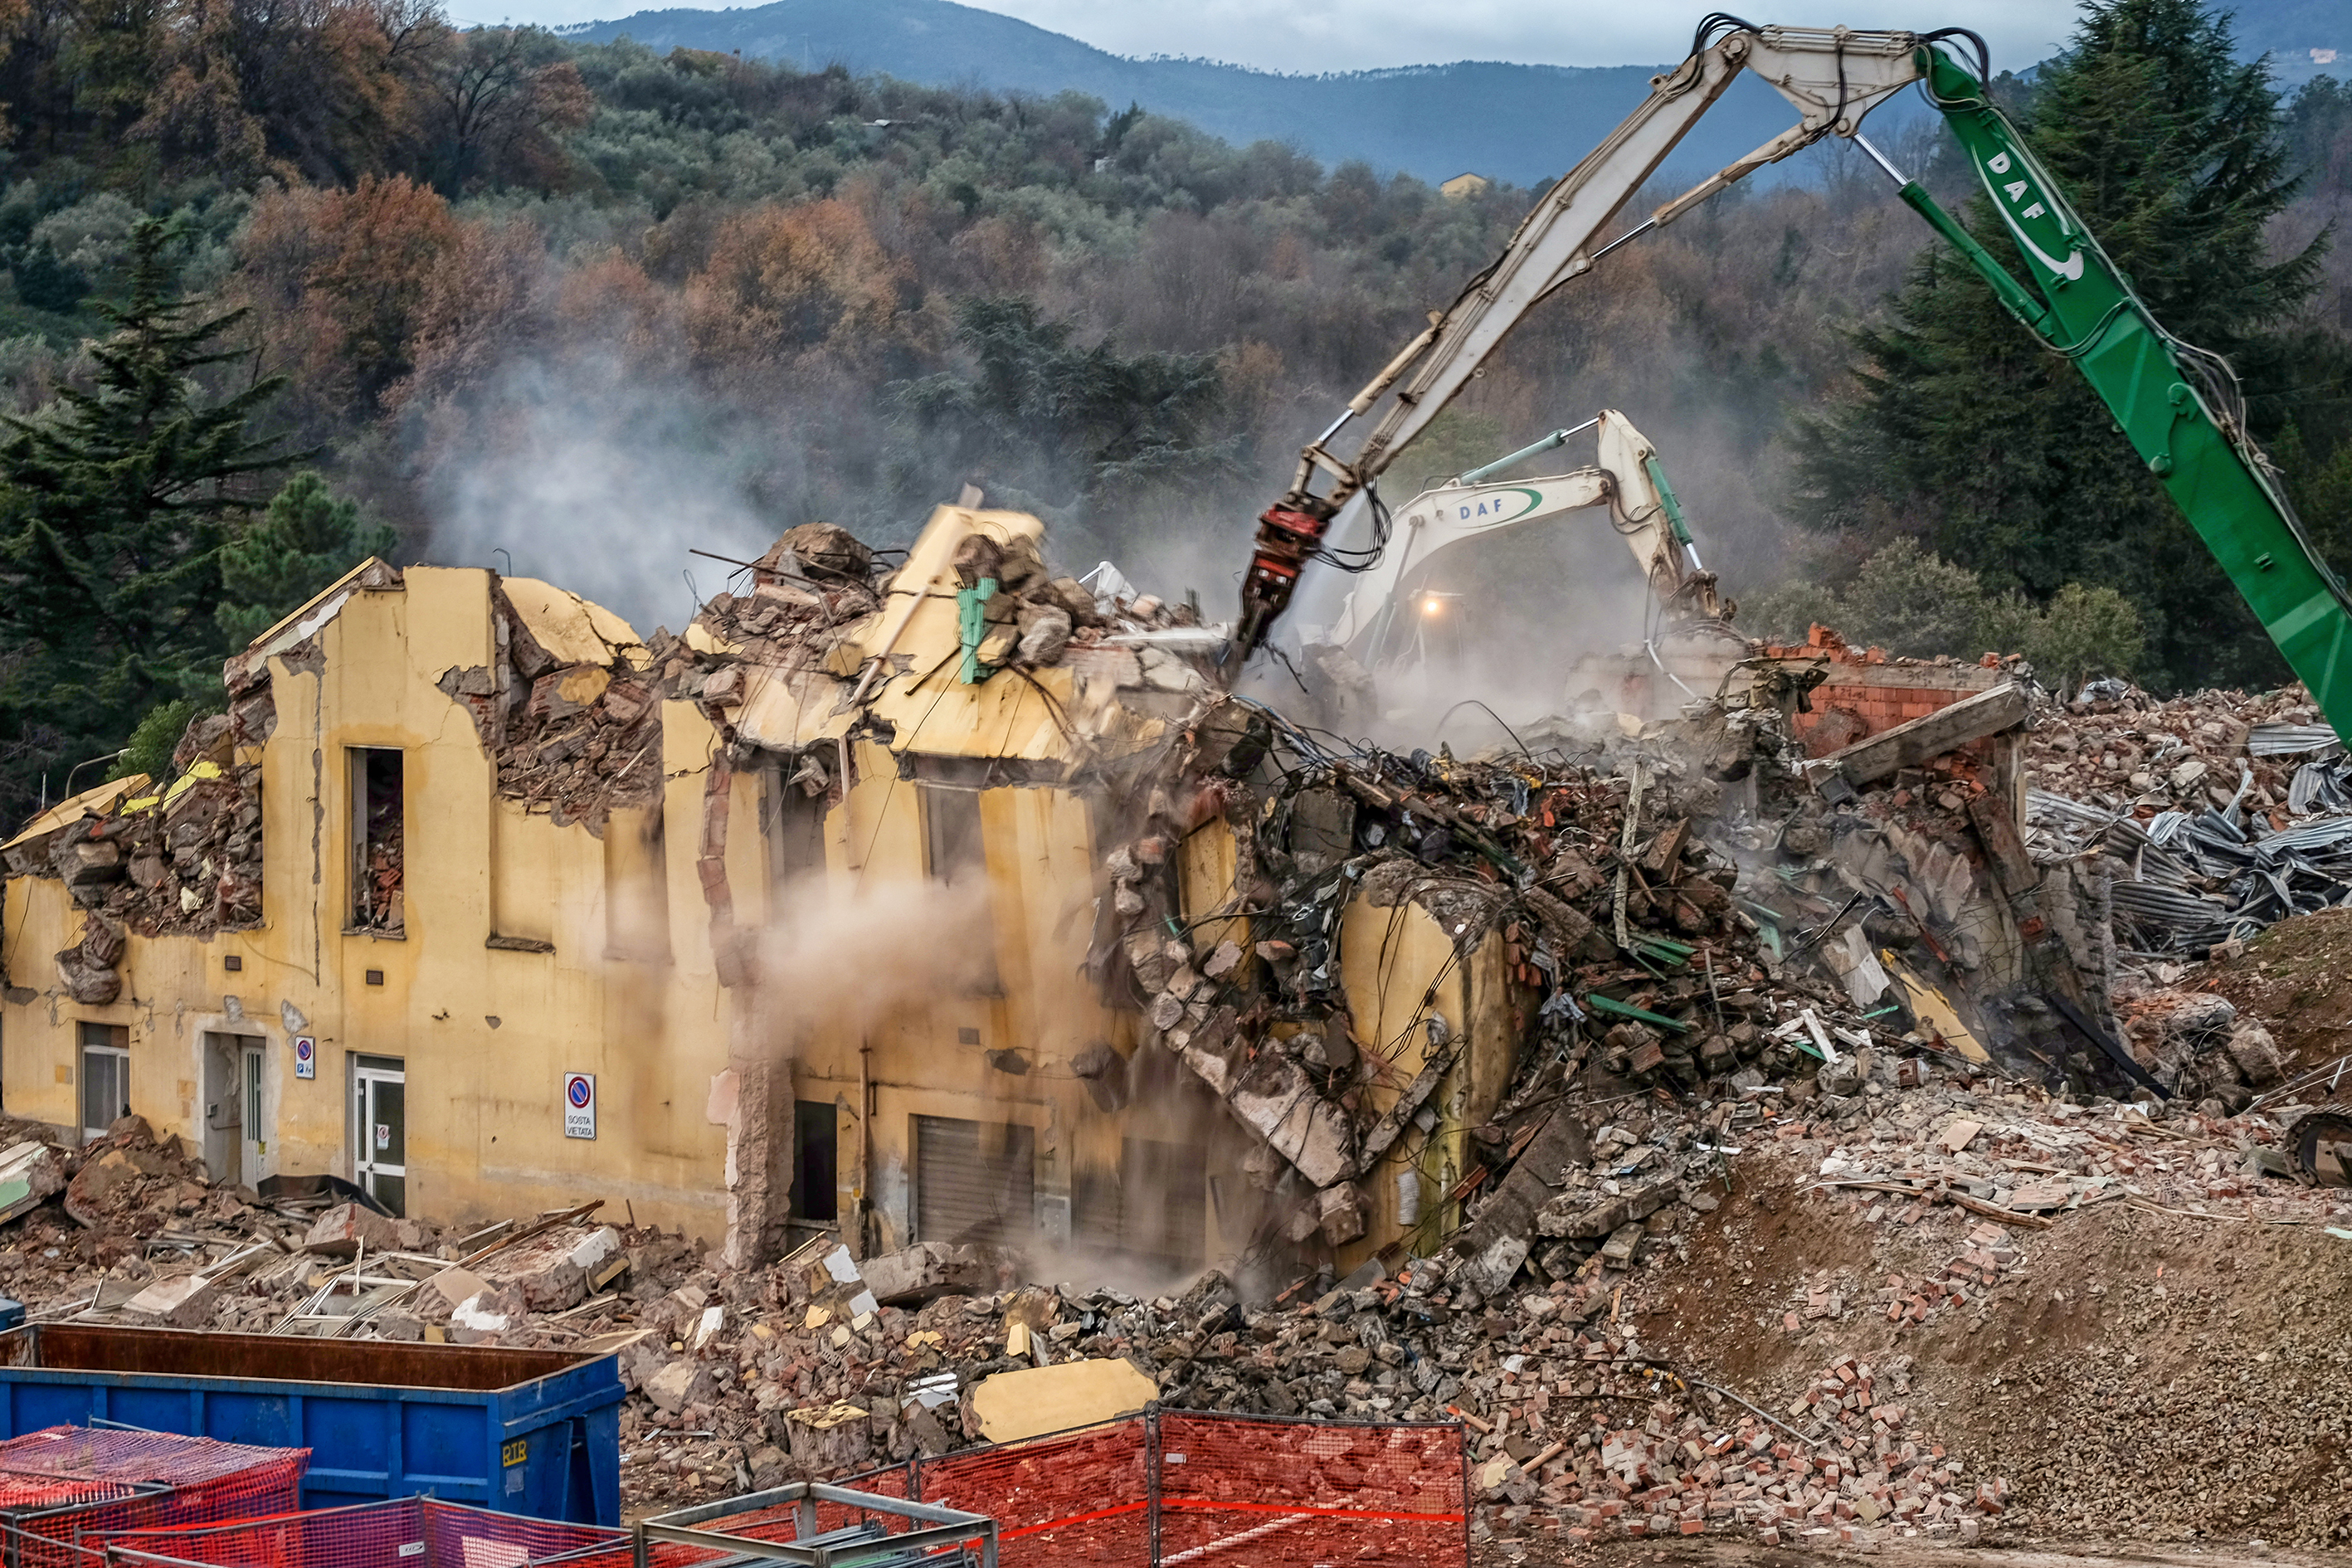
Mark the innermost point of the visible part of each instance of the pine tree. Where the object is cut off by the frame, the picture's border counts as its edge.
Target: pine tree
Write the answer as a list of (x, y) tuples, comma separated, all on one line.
[(1998, 455), (114, 504), (308, 538)]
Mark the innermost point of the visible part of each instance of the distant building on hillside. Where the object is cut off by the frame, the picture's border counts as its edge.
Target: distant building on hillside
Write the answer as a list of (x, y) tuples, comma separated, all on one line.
[(1462, 187)]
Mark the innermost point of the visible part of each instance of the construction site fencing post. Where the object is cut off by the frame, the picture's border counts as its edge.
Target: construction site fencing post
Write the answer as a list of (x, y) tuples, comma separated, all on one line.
[(1151, 1479)]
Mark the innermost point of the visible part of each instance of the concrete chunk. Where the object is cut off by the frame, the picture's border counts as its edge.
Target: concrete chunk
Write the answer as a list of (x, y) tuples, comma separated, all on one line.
[(1907, 745), (1341, 1212), (340, 1231), (185, 1301), (927, 1271), (443, 1294)]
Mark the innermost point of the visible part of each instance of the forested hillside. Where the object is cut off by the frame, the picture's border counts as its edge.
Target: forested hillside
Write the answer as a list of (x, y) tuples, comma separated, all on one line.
[(571, 309), (1507, 120)]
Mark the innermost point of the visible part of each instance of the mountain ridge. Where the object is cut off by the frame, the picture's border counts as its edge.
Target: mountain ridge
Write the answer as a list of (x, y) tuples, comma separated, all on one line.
[(1520, 123)]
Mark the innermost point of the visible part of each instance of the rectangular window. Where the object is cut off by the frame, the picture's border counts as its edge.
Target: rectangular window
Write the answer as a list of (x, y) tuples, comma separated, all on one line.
[(792, 823), (953, 850), (377, 903), (955, 855), (975, 1181), (105, 1077), (817, 1162)]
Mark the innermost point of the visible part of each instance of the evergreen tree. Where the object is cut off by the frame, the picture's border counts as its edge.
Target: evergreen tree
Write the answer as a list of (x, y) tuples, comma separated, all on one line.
[(308, 538), (114, 504), (1998, 455)]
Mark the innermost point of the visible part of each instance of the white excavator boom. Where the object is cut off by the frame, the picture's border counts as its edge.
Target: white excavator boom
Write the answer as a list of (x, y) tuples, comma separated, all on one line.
[(1833, 76)]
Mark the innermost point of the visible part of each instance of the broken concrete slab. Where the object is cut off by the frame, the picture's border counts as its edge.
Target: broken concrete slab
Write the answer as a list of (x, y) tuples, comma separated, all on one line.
[(1276, 1097), (1911, 743), (340, 1231), (1510, 1214), (928, 1271), (31, 1173), (442, 1295), (183, 1301), (1386, 1131), (551, 1272), (1031, 1401), (1340, 1211)]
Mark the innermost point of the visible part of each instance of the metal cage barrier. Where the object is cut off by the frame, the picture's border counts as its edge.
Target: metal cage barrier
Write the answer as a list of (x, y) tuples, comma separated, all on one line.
[(857, 1545)]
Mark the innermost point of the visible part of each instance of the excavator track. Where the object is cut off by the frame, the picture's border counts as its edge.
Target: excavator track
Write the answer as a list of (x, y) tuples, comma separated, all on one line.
[(2321, 1145)]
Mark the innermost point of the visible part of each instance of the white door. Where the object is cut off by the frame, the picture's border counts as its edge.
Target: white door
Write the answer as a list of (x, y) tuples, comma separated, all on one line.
[(380, 1129), (257, 1131)]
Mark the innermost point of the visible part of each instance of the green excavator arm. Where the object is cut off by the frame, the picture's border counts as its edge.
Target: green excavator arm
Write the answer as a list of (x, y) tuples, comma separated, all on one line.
[(2177, 405)]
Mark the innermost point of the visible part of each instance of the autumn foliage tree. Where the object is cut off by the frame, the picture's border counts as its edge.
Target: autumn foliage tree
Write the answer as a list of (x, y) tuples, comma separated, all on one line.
[(339, 279)]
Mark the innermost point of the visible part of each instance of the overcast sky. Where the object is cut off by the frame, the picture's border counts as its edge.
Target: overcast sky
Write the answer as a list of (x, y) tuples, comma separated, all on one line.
[(1313, 36)]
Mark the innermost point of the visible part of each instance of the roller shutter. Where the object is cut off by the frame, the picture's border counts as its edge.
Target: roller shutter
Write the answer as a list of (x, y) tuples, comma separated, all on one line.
[(975, 1181)]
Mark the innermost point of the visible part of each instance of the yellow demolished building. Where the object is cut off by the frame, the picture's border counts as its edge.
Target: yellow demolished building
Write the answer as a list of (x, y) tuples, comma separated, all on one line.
[(912, 905)]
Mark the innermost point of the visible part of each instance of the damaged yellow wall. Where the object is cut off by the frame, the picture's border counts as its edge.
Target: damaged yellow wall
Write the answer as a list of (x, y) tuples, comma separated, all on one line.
[(485, 1036), (881, 991), (1398, 965)]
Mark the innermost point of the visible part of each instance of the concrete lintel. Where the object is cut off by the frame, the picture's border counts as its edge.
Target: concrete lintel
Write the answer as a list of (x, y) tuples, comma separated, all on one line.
[(1913, 742)]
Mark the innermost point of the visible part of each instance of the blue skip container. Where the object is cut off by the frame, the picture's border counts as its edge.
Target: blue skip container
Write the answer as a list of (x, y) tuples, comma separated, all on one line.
[(520, 1431)]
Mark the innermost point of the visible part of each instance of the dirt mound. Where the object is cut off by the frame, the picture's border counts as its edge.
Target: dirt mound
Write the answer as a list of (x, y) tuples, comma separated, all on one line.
[(2131, 1372), (2296, 979)]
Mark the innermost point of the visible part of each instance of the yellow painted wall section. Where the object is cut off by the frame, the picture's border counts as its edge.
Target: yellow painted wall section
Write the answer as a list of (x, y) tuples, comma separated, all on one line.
[(630, 992), (1392, 959), (485, 1036)]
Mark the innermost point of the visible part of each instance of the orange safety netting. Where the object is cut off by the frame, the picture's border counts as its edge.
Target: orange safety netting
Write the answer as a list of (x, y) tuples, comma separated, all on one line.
[(103, 1479), (1272, 1493), (1169, 1488)]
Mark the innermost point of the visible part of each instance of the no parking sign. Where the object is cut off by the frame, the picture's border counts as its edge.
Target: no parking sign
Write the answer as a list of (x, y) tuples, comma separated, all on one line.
[(306, 1057), (580, 1105)]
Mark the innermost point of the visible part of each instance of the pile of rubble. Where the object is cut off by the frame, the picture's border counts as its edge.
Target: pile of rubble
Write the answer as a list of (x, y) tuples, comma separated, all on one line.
[(813, 1367), (570, 709), (2116, 747), (154, 861), (2219, 813)]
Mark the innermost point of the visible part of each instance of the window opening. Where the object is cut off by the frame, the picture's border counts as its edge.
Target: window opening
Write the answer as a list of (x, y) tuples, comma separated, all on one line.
[(817, 1162), (377, 901), (952, 848), (793, 826), (105, 1077)]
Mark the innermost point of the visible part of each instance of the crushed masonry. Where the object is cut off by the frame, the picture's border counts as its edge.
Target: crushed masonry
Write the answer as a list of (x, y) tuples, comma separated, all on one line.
[(1911, 938)]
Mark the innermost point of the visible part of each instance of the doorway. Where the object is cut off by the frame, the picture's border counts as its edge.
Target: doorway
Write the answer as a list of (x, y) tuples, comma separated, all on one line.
[(236, 1134), (380, 1129)]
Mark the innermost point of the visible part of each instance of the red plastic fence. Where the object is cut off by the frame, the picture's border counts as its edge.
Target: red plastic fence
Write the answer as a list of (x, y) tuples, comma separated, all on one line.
[(1169, 1488), (406, 1532), (1274, 1493), (130, 1480)]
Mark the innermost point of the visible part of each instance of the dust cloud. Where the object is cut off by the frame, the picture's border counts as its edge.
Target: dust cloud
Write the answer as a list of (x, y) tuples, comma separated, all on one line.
[(602, 484)]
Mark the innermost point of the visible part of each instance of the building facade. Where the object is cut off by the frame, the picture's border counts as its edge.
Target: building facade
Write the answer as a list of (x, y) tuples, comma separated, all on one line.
[(796, 922)]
